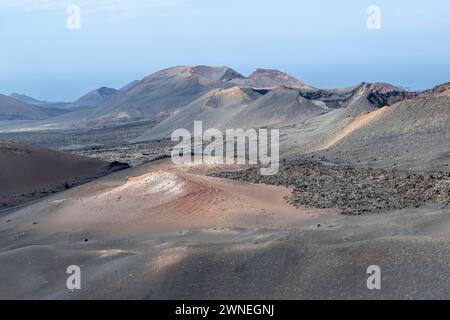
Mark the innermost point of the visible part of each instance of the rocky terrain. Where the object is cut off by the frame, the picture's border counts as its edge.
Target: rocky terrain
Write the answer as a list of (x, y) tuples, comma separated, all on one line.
[(353, 190)]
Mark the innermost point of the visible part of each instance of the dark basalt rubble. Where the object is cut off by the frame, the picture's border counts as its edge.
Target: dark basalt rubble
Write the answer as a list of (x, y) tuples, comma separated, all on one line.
[(352, 190)]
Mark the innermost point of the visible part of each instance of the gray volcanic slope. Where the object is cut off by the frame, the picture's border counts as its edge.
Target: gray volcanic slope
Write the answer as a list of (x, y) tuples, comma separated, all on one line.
[(26, 99), (412, 134), (354, 106), (30, 100), (282, 106)]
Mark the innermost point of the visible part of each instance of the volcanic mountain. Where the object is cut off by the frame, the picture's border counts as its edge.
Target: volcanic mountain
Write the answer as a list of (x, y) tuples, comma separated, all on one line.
[(30, 100)]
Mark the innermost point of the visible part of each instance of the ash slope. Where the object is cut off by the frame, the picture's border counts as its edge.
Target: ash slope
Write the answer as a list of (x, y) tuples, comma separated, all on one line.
[(29, 172)]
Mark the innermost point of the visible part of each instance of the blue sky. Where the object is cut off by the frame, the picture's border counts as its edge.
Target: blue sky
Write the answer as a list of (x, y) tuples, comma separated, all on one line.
[(323, 42)]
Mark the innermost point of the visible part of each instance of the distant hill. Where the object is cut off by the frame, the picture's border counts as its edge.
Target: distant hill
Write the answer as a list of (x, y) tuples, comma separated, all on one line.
[(268, 78), (129, 86), (283, 107), (367, 124)]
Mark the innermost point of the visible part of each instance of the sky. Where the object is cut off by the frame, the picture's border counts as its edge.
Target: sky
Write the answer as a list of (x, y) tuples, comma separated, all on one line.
[(325, 43)]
